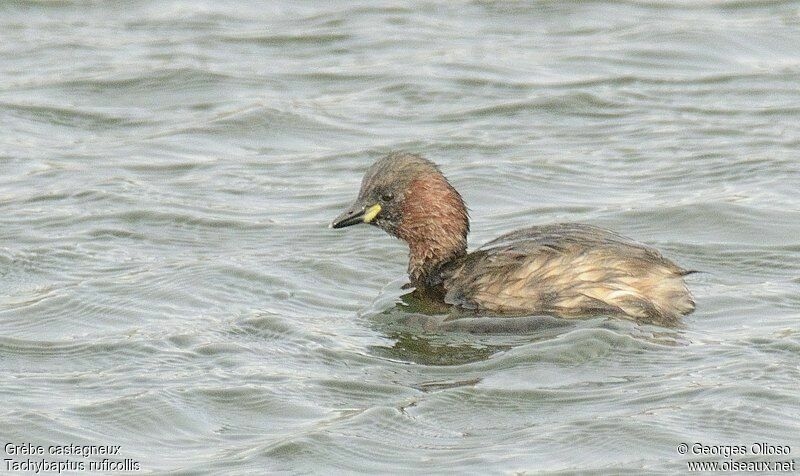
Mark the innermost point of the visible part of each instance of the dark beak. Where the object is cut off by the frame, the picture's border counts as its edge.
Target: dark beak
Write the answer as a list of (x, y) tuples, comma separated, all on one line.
[(352, 216), (357, 213)]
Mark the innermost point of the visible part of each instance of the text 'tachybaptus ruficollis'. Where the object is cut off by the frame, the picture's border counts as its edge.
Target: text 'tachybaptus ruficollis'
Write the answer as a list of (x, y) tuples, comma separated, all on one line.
[(564, 269)]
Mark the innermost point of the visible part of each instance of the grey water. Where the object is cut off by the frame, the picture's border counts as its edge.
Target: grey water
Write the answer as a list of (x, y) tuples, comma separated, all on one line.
[(168, 283)]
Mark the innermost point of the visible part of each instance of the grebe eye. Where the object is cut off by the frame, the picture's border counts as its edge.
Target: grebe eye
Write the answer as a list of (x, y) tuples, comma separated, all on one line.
[(387, 196)]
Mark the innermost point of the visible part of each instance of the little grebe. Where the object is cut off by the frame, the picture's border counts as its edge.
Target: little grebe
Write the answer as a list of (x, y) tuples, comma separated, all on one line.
[(564, 269)]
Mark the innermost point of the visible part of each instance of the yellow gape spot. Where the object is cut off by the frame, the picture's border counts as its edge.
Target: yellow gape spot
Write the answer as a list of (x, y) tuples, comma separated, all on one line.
[(372, 212)]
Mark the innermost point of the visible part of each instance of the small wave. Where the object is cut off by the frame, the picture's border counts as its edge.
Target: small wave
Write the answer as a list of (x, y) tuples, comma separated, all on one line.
[(577, 104), (80, 118), (304, 39), (73, 348)]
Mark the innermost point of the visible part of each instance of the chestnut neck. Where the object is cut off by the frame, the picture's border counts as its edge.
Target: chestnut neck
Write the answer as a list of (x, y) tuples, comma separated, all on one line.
[(434, 224)]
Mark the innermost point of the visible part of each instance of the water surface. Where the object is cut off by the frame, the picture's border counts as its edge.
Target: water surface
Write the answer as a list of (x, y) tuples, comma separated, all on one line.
[(169, 284)]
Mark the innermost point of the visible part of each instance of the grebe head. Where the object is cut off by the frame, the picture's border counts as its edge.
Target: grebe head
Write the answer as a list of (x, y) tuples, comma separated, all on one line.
[(408, 197)]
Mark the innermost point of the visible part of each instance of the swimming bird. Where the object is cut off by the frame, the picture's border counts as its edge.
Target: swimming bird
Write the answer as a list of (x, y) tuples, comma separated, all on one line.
[(562, 269)]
